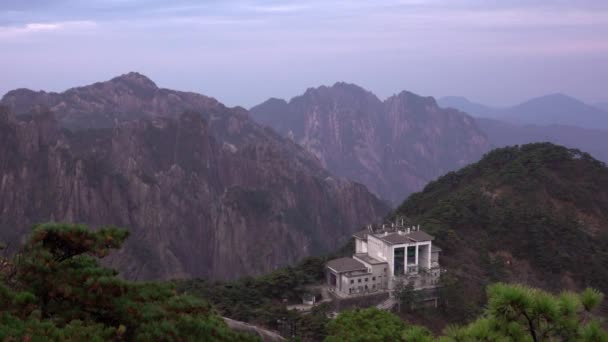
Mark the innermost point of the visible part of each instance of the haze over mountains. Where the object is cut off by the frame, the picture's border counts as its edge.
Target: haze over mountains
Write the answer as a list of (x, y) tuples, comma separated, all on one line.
[(553, 109), (203, 186), (555, 118), (204, 190), (602, 105), (394, 146)]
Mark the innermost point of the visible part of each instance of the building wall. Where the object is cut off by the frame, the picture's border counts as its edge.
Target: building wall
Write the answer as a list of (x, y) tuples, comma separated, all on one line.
[(435, 258), (378, 249), (360, 246), (379, 271), (376, 281)]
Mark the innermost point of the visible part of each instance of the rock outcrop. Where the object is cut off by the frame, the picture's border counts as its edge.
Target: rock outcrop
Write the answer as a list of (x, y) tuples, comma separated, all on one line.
[(394, 147), (204, 190)]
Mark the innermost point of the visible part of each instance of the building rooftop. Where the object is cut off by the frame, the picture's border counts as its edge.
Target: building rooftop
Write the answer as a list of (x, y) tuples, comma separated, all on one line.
[(399, 238), (346, 265), (369, 259), (362, 234), (394, 233)]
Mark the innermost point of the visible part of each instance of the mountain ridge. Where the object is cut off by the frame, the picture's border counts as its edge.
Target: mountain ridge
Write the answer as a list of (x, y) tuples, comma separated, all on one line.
[(201, 186), (549, 109), (393, 146)]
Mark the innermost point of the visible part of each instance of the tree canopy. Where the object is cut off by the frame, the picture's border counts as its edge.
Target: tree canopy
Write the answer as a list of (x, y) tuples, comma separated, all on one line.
[(514, 313), (55, 289)]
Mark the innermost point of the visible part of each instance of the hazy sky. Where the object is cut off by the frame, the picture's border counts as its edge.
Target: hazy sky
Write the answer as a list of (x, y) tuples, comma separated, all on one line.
[(242, 52)]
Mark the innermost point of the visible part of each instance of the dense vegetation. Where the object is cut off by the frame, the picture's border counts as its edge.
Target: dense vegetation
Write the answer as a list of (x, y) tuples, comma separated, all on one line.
[(514, 313), (534, 214), (54, 289), (263, 300)]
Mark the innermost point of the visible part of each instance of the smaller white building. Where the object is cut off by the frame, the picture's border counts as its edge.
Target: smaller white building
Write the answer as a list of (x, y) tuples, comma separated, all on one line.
[(385, 255)]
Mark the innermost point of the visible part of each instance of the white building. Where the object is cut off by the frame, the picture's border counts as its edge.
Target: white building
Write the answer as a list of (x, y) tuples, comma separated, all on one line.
[(384, 256)]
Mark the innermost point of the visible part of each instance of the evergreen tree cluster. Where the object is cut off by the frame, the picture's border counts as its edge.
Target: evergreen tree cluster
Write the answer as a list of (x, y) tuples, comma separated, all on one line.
[(535, 213), (55, 289), (514, 313)]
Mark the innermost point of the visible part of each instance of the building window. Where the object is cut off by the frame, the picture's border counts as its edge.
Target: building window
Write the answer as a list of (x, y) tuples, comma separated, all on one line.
[(352, 281), (365, 279), (359, 280), (366, 287), (399, 261), (411, 255), (373, 278), (385, 270), (374, 286)]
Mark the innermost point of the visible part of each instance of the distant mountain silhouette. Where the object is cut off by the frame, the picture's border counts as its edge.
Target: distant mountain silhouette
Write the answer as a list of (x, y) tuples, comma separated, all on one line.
[(553, 109), (602, 105), (502, 134), (473, 108)]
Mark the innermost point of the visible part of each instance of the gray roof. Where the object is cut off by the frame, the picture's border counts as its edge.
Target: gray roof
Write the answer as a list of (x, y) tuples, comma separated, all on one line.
[(362, 234), (419, 236), (413, 236), (435, 249), (368, 259), (346, 265)]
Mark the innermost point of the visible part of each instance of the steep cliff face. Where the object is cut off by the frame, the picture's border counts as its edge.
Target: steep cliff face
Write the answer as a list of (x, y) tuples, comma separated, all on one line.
[(394, 147), (206, 193)]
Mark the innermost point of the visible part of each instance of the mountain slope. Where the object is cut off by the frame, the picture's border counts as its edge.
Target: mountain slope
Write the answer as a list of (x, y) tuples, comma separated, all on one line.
[(502, 134), (535, 214), (206, 193), (393, 147)]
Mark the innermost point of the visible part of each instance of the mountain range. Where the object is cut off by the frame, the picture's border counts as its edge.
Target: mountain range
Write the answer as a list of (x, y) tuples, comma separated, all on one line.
[(559, 119), (394, 146), (553, 109), (204, 190)]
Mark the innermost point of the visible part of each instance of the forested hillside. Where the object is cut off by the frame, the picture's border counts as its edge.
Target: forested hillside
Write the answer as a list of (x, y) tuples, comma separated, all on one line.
[(534, 214)]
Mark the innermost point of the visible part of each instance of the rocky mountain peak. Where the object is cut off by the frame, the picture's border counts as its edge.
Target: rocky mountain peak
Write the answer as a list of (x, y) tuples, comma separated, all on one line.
[(413, 99), (393, 147), (199, 185), (135, 79)]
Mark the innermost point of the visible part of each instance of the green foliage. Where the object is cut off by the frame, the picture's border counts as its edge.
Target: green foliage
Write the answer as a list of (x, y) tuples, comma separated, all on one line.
[(542, 204), (519, 313), (417, 334), (262, 300), (514, 313), (406, 295), (367, 325), (59, 292)]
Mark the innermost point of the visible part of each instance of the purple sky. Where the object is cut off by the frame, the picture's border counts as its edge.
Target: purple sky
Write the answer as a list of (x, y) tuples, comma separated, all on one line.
[(496, 52)]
